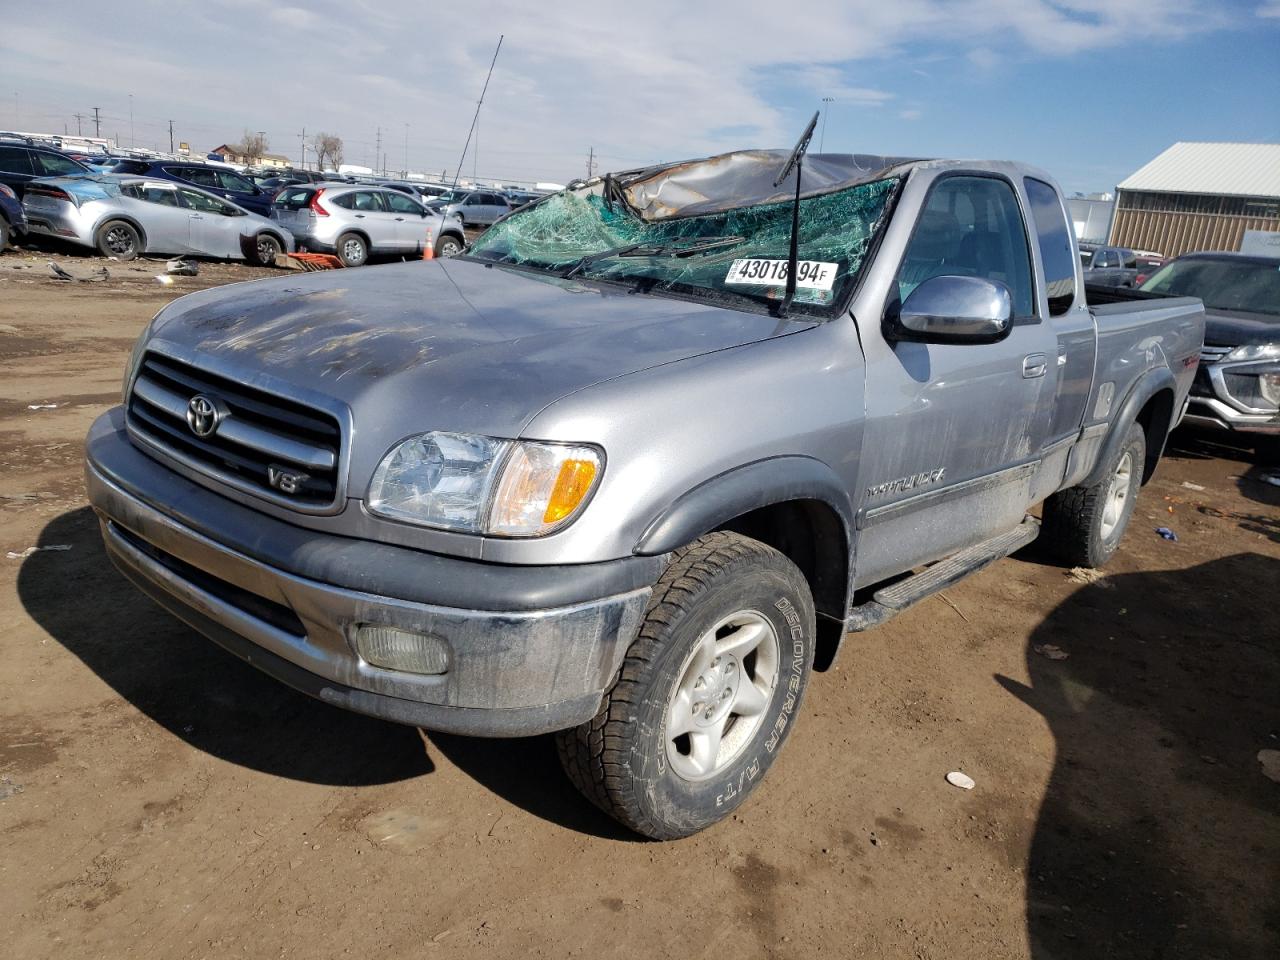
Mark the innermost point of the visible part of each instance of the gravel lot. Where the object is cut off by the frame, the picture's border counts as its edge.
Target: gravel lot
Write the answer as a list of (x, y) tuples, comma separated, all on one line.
[(159, 798)]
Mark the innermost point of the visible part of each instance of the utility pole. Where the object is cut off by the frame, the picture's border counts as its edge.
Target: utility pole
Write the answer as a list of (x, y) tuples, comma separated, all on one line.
[(97, 122), (591, 162), (131, 140), (822, 140), (406, 150), (303, 138), (171, 136), (79, 117), (377, 150)]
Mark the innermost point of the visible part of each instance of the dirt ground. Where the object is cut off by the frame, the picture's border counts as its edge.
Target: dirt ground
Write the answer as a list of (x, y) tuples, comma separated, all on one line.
[(159, 798)]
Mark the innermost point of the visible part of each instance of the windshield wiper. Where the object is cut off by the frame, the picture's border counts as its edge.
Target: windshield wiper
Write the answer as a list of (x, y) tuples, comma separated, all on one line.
[(582, 263), (793, 258)]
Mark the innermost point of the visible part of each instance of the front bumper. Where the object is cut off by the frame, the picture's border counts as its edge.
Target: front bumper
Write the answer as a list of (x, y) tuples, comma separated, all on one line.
[(225, 570), (1211, 403)]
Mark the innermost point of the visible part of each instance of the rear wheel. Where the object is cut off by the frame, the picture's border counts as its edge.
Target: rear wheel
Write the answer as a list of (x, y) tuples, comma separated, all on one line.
[(267, 248), (118, 239), (352, 250), (706, 694), (448, 246), (1083, 525)]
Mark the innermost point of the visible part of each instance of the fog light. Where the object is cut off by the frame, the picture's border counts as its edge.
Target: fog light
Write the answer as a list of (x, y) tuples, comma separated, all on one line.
[(395, 649)]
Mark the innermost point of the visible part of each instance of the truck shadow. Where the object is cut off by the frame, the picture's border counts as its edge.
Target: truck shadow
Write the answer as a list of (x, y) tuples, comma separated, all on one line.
[(1158, 835), (189, 685)]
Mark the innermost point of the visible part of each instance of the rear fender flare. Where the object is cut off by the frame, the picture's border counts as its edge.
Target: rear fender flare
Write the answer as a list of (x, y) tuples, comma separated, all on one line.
[(1146, 387)]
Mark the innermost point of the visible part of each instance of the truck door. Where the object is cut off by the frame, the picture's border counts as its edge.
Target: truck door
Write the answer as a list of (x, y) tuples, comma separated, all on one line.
[(954, 431)]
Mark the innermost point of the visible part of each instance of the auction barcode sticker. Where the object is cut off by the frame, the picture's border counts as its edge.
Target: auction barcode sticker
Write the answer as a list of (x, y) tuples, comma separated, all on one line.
[(810, 274)]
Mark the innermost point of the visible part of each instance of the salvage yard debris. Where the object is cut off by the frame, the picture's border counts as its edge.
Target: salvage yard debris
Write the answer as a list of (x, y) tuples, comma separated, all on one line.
[(961, 780), (1167, 534), (1088, 575), (30, 550), (66, 276), (182, 268)]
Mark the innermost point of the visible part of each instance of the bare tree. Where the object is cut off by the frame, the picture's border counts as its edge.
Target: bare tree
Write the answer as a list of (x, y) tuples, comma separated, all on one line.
[(252, 147), (328, 149)]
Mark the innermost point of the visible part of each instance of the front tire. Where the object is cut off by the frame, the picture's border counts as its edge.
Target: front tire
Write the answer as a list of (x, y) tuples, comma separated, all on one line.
[(1083, 526), (118, 239), (707, 692), (352, 250)]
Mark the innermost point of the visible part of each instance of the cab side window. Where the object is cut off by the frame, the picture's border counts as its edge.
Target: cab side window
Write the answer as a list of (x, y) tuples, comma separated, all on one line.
[(971, 227), (1054, 236), (201, 178)]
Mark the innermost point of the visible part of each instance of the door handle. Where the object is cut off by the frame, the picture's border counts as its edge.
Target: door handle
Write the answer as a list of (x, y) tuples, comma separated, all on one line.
[(1033, 365), (399, 219), (359, 216)]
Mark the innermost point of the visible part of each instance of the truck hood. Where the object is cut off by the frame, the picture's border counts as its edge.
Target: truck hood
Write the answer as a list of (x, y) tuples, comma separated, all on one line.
[(1227, 328), (445, 345)]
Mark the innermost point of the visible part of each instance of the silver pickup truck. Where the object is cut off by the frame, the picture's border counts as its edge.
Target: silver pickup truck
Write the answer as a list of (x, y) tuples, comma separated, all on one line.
[(612, 473)]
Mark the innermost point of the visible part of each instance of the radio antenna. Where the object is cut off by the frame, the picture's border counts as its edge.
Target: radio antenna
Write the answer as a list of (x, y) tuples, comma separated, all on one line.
[(476, 118)]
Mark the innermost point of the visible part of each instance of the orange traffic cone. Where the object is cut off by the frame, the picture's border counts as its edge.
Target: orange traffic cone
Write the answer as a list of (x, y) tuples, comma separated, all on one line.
[(429, 248)]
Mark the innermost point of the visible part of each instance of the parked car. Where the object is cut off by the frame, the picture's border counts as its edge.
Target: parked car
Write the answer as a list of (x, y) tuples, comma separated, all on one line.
[(613, 474), (20, 163), (123, 218), (356, 222), (216, 179), (1119, 267), (13, 219), (1237, 386), (475, 207)]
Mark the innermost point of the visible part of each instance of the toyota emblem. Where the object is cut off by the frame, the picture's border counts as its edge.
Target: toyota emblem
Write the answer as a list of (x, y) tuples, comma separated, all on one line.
[(204, 414)]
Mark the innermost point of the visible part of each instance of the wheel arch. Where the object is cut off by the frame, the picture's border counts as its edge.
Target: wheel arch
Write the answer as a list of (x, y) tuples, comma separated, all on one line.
[(1150, 402), (795, 504)]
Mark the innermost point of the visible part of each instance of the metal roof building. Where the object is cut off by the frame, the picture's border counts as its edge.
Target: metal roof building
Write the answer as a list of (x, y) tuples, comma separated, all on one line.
[(1199, 196)]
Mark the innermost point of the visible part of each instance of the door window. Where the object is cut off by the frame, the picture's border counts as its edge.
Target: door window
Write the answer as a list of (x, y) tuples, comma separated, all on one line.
[(1055, 245), (1106, 259), (203, 178), (15, 160), (398, 203), (231, 181), (57, 166), (204, 203), (971, 227), (365, 200), (165, 196)]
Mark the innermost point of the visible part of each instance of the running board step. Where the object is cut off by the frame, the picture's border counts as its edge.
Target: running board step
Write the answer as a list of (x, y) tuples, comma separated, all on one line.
[(897, 597)]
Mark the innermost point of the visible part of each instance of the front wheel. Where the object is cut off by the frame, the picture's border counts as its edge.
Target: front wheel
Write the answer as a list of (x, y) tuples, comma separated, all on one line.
[(1083, 525), (119, 239), (706, 695)]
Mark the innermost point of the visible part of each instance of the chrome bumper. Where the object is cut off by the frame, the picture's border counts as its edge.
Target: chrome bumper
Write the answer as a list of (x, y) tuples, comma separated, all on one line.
[(512, 673)]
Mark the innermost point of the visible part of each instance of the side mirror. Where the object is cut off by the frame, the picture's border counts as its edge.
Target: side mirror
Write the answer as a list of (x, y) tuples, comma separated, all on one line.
[(953, 310)]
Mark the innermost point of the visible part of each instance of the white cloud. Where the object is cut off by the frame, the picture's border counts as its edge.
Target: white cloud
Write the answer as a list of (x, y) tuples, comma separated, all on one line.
[(911, 114), (662, 80), (1269, 9)]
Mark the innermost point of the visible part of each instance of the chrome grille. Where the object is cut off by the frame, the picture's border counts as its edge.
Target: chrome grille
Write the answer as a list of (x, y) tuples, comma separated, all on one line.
[(1210, 354), (259, 433)]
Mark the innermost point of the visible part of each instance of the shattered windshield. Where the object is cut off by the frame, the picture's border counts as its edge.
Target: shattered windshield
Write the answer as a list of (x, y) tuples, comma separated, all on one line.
[(739, 254)]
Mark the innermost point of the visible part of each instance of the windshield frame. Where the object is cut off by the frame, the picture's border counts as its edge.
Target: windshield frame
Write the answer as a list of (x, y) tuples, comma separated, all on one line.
[(727, 298)]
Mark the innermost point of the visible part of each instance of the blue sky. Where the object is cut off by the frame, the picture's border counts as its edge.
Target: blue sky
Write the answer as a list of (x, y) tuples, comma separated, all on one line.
[(1088, 89)]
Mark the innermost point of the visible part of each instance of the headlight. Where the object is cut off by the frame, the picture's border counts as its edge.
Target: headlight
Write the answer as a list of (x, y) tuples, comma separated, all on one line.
[(1254, 351), (506, 488)]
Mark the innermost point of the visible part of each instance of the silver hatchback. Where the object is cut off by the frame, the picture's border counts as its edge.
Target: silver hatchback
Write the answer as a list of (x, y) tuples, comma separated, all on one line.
[(356, 221)]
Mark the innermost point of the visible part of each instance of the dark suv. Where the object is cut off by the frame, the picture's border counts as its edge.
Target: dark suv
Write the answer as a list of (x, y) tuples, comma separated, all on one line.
[(21, 163), (238, 189)]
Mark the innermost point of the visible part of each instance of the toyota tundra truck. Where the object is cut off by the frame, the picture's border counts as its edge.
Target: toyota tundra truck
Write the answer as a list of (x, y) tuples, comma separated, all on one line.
[(630, 468)]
